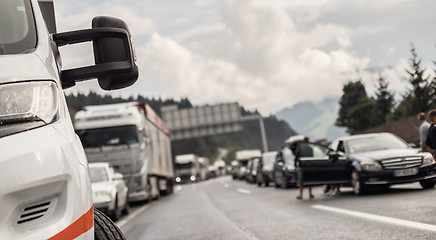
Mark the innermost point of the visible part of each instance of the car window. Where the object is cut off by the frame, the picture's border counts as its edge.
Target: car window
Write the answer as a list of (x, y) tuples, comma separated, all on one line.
[(17, 27), (313, 150), (375, 143), (98, 174), (268, 159)]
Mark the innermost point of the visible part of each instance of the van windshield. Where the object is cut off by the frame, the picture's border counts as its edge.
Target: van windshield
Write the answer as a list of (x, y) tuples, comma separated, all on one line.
[(17, 27), (108, 136)]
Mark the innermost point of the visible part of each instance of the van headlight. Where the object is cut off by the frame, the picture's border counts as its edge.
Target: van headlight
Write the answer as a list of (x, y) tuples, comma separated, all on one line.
[(428, 160), (27, 105), (371, 166)]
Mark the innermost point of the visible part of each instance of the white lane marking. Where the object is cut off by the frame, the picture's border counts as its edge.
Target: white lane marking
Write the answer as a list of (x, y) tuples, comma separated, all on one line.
[(244, 191), (379, 218), (226, 185), (132, 215)]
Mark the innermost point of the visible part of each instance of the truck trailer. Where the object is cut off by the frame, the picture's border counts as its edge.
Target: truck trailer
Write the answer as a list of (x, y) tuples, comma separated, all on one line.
[(134, 140)]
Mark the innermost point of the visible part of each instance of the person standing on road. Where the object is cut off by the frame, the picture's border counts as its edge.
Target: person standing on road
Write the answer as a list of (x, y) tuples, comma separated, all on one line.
[(431, 136), (423, 131), (303, 150)]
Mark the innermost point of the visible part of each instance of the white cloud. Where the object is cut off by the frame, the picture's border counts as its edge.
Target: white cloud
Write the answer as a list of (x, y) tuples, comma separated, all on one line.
[(263, 54)]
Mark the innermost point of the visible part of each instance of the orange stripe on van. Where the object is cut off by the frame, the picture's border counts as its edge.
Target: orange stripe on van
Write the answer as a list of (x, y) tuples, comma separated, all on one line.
[(80, 226)]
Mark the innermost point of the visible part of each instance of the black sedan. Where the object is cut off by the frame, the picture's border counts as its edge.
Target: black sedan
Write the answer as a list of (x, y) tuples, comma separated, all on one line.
[(362, 161)]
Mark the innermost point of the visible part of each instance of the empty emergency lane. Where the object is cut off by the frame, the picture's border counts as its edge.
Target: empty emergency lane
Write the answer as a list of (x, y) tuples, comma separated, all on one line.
[(217, 209)]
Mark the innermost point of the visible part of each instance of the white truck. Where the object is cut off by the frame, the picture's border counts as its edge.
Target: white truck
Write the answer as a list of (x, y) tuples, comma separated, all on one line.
[(187, 167), (134, 140), (45, 187)]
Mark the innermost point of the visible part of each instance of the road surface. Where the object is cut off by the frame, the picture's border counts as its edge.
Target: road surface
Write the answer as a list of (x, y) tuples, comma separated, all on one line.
[(223, 208)]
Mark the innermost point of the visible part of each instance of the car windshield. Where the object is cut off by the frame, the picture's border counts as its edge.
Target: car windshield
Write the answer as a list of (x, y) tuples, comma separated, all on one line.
[(375, 143), (183, 165), (108, 136), (268, 159), (98, 174), (17, 27)]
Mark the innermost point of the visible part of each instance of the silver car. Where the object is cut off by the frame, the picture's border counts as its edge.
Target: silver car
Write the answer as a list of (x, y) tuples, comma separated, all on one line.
[(109, 190)]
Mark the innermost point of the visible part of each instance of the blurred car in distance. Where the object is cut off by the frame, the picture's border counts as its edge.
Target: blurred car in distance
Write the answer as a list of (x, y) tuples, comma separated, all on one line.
[(265, 168), (109, 190), (252, 166)]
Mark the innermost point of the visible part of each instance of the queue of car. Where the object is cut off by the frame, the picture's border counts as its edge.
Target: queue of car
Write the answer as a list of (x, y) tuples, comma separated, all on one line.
[(361, 162)]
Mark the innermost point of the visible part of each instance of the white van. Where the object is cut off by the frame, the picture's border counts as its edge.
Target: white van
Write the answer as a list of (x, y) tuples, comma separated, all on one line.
[(45, 188)]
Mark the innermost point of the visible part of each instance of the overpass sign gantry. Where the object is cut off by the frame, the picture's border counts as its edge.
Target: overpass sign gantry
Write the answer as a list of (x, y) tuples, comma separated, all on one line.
[(207, 120)]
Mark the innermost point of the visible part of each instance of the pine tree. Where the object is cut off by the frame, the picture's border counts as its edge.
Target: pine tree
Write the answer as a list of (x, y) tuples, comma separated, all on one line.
[(420, 97), (356, 110), (384, 100)]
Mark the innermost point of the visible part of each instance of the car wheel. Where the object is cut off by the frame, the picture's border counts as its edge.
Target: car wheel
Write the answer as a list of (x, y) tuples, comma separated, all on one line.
[(276, 182), (126, 208), (105, 229), (426, 184), (116, 213), (356, 184)]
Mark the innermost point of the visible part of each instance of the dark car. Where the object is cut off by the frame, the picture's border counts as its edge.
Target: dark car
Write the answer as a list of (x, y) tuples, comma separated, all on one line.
[(235, 169), (265, 168), (251, 172), (362, 161), (284, 172)]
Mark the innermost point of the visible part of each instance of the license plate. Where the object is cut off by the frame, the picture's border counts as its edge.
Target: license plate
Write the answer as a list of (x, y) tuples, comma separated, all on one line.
[(406, 172)]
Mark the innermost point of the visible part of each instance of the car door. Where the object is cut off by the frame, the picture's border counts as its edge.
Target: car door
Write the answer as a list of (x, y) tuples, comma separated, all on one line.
[(318, 168)]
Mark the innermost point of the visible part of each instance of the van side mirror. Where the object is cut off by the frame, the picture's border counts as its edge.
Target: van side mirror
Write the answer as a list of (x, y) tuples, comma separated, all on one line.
[(114, 57)]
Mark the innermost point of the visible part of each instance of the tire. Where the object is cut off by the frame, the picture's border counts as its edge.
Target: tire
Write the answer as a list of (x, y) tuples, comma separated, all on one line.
[(276, 184), (116, 213), (427, 184), (356, 184), (105, 229), (126, 208)]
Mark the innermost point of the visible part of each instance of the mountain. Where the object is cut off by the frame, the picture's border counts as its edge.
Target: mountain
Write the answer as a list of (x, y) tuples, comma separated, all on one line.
[(315, 120)]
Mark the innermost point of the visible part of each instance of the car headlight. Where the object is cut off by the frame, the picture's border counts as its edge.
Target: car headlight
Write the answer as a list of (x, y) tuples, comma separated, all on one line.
[(178, 179), (192, 178), (428, 159), (102, 196), (371, 166), (27, 105)]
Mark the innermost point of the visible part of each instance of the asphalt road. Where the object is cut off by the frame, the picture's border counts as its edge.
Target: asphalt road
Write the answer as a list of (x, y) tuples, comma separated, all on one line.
[(223, 208)]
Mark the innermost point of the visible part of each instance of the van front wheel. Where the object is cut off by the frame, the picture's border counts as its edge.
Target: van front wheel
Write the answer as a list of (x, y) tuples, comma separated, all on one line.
[(105, 229)]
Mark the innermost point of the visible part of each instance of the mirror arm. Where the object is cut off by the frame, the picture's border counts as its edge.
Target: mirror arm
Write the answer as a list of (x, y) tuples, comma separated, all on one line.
[(70, 76), (86, 35)]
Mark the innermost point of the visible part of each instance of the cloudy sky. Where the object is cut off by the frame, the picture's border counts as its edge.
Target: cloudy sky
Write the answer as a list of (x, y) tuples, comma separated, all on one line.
[(265, 54)]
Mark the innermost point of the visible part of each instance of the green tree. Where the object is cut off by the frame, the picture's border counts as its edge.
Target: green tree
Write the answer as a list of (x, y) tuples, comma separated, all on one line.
[(422, 94), (384, 100), (356, 110)]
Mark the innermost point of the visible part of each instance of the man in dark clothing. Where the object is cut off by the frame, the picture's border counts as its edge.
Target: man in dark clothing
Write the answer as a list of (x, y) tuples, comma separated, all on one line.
[(431, 137), (303, 150)]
